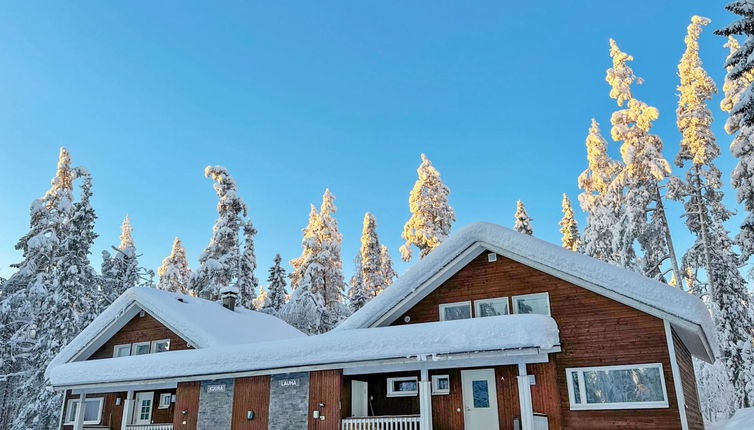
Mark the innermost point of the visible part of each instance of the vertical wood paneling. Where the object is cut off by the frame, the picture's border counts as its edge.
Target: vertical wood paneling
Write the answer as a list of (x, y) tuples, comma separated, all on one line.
[(251, 394), (545, 393), (447, 410), (325, 387), (507, 395), (187, 399), (688, 381), (163, 416), (139, 329)]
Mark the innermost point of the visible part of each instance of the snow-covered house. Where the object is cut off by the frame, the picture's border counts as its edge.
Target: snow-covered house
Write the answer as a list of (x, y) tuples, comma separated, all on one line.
[(492, 330)]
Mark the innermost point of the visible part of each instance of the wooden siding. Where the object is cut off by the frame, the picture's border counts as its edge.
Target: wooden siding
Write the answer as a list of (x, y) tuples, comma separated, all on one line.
[(324, 387), (187, 399), (139, 329), (251, 394), (112, 414), (447, 409), (162, 416), (594, 331), (688, 381)]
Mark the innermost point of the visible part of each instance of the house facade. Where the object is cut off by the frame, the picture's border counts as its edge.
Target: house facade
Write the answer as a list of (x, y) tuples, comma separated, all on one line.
[(492, 330)]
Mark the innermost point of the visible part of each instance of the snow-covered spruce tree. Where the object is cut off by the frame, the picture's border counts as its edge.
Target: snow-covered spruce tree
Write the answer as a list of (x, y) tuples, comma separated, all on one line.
[(260, 299), (276, 294), (568, 226), (705, 213), (175, 272), (316, 305), (431, 214), (371, 259), (357, 292), (219, 263), (121, 271), (388, 273), (741, 60), (523, 221), (247, 282), (598, 200), (742, 177), (643, 219)]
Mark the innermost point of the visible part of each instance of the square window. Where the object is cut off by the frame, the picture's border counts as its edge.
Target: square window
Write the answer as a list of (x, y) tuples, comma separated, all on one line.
[(532, 304), (122, 350), (140, 348), (160, 345), (491, 307), (403, 387), (440, 384), (455, 311), (165, 400)]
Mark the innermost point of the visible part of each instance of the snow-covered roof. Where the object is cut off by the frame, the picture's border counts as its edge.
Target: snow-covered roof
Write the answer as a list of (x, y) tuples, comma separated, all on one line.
[(620, 284), (202, 323), (405, 342)]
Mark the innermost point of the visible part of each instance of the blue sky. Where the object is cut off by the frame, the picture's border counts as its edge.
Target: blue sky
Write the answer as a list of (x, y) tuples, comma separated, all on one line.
[(294, 97)]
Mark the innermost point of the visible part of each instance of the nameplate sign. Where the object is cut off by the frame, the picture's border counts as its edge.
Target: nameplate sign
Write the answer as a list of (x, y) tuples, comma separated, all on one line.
[(289, 382), (216, 388)]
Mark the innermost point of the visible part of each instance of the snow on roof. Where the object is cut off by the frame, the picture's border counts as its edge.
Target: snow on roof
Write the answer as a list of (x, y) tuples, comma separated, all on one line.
[(405, 341), (201, 322), (510, 243)]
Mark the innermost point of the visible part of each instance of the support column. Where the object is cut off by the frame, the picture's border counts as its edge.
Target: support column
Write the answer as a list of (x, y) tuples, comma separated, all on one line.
[(524, 398), (128, 410), (78, 423), (425, 401)]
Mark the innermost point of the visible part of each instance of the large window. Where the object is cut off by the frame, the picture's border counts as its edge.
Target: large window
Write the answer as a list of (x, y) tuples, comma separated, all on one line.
[(638, 386), (403, 387), (532, 304), (455, 311), (491, 307), (92, 411)]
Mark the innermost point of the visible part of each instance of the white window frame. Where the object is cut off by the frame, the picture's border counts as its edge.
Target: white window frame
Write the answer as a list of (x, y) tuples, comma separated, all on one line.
[(478, 303), (165, 400), (392, 393), (124, 345), (436, 390), (71, 402), (154, 343), (452, 305), (137, 344), (526, 296), (583, 406)]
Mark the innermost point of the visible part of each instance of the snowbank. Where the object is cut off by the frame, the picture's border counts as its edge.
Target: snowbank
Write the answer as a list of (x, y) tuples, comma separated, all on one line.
[(447, 337), (616, 279), (742, 420)]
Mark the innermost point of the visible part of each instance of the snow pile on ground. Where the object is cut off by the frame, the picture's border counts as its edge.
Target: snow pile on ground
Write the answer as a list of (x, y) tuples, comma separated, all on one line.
[(510, 243), (742, 420), (396, 342)]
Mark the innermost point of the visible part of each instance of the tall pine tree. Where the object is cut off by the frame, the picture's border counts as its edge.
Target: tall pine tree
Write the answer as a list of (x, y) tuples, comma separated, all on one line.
[(276, 294), (369, 278), (388, 273), (431, 214), (523, 221), (175, 272), (247, 282), (568, 227), (121, 271)]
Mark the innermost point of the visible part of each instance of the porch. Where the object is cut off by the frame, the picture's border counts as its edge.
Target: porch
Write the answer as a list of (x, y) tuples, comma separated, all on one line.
[(144, 407), (399, 422)]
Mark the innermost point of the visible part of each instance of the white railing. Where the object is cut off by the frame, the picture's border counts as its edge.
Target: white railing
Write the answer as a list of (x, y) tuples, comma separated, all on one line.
[(149, 427), (402, 422)]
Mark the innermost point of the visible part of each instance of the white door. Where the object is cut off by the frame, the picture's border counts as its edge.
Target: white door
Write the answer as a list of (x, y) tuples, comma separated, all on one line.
[(143, 407), (479, 399), (359, 399)]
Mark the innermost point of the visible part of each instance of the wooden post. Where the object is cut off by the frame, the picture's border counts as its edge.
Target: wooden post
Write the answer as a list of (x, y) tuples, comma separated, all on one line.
[(524, 398), (425, 401), (128, 410), (78, 423)]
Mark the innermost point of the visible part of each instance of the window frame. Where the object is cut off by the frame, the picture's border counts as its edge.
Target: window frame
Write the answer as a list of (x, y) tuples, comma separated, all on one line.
[(69, 408), (137, 344), (477, 303), (440, 391), (524, 296), (654, 404), (393, 393), (161, 404), (153, 344), (123, 345), (442, 307)]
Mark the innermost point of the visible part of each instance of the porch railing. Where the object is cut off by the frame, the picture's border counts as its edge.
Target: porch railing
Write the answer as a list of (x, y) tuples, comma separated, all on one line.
[(400, 422), (149, 427)]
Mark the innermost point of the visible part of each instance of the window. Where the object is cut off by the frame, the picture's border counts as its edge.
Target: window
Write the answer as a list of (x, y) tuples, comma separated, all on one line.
[(491, 307), (160, 345), (122, 350), (165, 400), (140, 348), (440, 384), (638, 386), (92, 411), (532, 304), (403, 387), (480, 393), (455, 311)]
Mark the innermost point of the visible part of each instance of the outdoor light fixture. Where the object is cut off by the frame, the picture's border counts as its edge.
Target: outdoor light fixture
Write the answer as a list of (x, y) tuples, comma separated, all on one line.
[(249, 415)]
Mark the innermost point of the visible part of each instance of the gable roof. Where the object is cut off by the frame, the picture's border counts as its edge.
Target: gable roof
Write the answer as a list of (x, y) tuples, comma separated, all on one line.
[(202, 323), (437, 343), (686, 313)]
